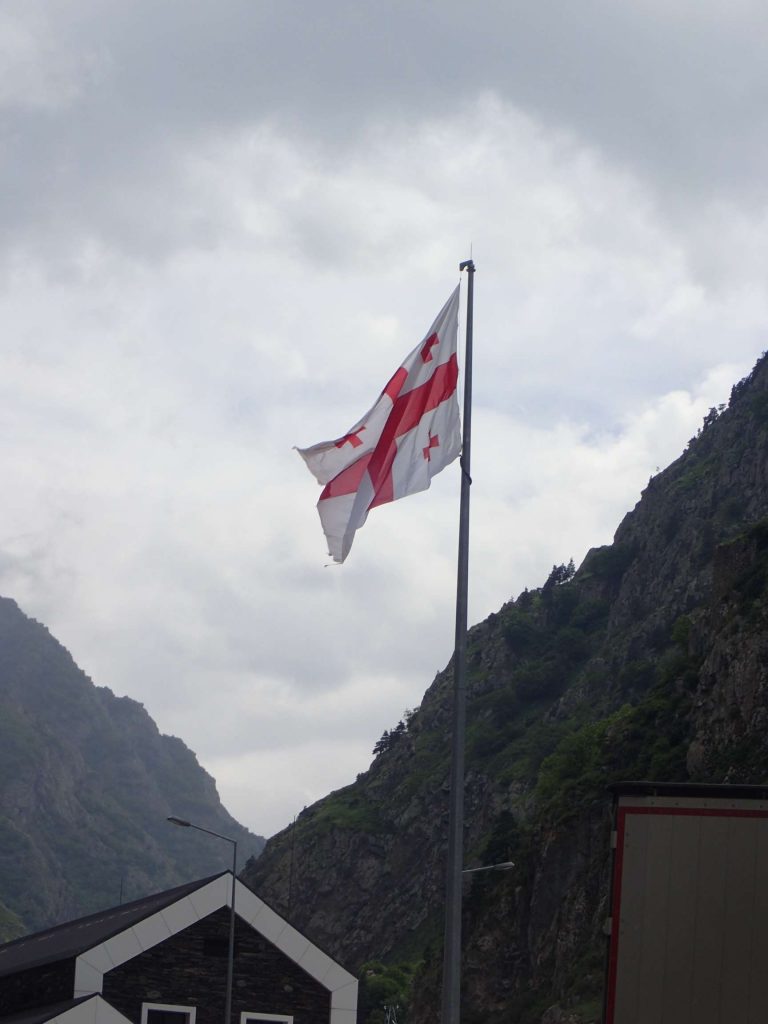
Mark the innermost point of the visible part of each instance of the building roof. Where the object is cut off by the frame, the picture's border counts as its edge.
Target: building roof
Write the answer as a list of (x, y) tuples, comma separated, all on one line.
[(40, 1014), (702, 790), (68, 940), (89, 1009), (99, 943)]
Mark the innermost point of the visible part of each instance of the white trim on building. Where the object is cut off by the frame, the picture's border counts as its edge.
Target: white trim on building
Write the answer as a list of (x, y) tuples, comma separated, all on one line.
[(91, 1011), (92, 965), (254, 1016), (190, 1012)]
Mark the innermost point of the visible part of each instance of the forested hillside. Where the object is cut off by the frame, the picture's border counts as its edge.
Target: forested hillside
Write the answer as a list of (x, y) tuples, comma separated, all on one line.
[(648, 662), (86, 783)]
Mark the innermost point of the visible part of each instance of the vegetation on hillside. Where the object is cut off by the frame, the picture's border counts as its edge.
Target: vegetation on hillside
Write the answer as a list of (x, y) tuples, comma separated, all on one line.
[(648, 662), (11, 925), (86, 783)]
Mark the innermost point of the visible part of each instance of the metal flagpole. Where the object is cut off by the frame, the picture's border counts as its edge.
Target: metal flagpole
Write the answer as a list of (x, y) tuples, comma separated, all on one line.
[(231, 944), (452, 942)]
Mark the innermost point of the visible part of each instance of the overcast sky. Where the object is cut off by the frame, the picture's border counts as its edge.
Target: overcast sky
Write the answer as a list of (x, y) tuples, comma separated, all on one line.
[(223, 227)]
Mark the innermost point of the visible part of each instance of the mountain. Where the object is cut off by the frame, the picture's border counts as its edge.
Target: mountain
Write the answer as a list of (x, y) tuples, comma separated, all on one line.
[(86, 783), (649, 662)]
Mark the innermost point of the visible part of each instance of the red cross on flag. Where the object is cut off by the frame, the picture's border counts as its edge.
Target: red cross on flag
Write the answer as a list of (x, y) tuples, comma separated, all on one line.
[(410, 434)]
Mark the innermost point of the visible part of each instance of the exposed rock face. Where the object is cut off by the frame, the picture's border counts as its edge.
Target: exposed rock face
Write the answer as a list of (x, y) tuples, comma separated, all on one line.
[(86, 783), (650, 663)]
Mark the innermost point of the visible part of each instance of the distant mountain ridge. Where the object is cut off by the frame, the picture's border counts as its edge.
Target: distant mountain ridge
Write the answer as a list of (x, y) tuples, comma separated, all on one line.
[(86, 783), (648, 662)]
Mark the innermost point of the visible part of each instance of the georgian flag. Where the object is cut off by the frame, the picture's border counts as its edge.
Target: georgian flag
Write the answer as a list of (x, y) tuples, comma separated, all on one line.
[(410, 434)]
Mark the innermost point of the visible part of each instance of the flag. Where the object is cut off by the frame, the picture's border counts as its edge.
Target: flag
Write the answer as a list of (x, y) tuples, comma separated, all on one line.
[(411, 433)]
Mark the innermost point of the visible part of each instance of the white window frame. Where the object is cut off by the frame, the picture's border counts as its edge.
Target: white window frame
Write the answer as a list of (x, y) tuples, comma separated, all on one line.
[(190, 1011), (247, 1016)]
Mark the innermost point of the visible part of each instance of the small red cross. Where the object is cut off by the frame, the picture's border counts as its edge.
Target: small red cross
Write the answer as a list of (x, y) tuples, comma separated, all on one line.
[(426, 353), (353, 439), (434, 442)]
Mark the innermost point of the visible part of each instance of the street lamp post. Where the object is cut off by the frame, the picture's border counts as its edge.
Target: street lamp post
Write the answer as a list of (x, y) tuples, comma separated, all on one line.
[(231, 950)]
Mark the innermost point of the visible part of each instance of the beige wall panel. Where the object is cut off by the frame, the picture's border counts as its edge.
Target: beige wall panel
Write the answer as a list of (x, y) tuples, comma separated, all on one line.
[(757, 1009), (679, 950), (693, 920), (635, 859), (709, 921), (655, 917), (739, 919)]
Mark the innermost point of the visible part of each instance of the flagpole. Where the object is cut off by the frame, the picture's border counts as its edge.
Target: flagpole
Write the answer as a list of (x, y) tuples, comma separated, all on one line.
[(452, 943)]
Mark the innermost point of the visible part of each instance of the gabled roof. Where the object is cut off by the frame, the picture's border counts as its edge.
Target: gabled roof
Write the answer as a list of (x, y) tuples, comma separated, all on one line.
[(67, 940), (87, 1010), (106, 940)]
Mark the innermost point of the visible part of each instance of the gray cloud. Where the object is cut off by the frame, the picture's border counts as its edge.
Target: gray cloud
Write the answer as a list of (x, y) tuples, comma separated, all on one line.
[(223, 228), (676, 93)]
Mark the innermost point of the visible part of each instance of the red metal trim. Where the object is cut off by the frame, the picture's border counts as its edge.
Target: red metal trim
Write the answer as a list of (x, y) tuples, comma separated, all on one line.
[(610, 1004)]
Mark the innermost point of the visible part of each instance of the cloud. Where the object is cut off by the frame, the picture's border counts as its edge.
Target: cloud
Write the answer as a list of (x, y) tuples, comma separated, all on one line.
[(673, 93), (40, 71), (224, 230), (337, 65)]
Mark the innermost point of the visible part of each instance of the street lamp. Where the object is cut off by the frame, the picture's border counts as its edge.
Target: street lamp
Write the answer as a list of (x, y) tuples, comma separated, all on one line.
[(505, 865), (231, 951)]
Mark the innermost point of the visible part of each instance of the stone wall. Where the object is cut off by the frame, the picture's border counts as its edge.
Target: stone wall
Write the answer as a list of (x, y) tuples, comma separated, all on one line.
[(39, 986), (190, 969)]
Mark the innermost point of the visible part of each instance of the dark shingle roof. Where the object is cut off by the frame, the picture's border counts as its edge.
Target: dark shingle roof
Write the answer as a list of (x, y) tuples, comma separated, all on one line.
[(70, 939), (694, 790), (40, 1014)]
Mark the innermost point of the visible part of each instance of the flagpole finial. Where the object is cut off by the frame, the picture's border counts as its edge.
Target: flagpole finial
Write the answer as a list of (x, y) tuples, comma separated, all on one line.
[(467, 265)]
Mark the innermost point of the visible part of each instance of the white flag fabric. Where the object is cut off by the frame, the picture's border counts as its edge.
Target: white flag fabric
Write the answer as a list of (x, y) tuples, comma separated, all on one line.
[(411, 433)]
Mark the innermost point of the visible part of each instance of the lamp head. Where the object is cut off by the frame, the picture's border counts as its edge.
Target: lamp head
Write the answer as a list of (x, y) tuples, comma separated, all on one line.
[(179, 821)]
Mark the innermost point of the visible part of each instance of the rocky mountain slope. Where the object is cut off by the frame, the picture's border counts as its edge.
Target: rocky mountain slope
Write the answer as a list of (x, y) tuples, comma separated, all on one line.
[(649, 662), (86, 783)]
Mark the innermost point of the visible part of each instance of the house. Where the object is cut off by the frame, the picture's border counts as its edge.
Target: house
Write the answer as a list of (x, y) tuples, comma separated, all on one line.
[(163, 960)]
